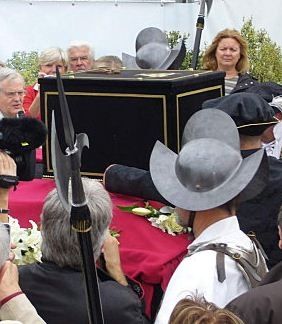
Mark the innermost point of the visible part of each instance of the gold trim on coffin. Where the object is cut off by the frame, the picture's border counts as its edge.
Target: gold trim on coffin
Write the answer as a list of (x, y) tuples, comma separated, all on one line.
[(98, 94), (178, 75), (189, 93)]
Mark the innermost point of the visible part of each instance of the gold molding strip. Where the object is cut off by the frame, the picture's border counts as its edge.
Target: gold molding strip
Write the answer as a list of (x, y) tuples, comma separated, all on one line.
[(100, 94), (139, 78)]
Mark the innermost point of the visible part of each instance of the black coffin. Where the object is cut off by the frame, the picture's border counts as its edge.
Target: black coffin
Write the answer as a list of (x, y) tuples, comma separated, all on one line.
[(124, 114)]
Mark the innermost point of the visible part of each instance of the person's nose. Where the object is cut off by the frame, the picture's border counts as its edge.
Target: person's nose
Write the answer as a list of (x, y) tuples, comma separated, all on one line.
[(18, 98), (79, 61)]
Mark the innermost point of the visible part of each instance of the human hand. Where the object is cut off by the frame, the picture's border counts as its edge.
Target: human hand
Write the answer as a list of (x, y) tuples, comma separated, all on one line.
[(9, 282), (41, 74), (7, 165), (111, 255), (110, 250), (11, 253)]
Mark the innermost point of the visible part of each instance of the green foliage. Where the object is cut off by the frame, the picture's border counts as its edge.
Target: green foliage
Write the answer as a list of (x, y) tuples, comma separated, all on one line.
[(265, 55), (26, 63), (174, 37)]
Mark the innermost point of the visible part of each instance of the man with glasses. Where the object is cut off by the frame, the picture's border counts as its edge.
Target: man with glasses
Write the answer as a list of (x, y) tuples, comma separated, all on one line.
[(80, 56), (11, 92)]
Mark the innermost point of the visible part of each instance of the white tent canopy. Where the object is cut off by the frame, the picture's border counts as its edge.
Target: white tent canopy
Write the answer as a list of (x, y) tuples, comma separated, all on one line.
[(112, 26)]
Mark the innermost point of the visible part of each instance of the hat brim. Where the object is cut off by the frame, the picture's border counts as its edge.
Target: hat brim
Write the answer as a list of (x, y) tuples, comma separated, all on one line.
[(162, 169), (172, 57), (129, 62), (173, 60), (257, 128)]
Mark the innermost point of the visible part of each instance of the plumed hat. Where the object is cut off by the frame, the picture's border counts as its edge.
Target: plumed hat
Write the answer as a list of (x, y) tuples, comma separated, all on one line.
[(153, 52), (209, 170), (251, 113)]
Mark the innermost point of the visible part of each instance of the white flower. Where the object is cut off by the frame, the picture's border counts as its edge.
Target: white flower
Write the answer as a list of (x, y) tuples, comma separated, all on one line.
[(167, 223), (164, 219), (141, 211), (27, 241)]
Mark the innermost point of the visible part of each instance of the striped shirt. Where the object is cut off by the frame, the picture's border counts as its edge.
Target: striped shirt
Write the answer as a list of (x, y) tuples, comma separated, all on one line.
[(230, 84)]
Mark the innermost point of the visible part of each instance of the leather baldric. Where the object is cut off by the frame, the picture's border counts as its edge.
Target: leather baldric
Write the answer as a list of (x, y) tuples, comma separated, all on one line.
[(251, 263)]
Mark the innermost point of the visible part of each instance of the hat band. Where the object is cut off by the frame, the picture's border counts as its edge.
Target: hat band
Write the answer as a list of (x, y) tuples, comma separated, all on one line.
[(259, 124)]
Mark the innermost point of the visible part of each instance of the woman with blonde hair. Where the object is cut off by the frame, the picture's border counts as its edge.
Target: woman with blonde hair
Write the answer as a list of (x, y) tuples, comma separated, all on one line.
[(196, 310), (228, 52), (48, 60)]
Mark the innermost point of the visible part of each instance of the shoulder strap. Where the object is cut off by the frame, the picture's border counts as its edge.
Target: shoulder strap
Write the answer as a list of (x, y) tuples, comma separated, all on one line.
[(252, 264)]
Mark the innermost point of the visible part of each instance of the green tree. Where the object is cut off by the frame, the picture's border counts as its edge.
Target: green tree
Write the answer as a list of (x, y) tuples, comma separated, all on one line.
[(26, 63), (265, 55)]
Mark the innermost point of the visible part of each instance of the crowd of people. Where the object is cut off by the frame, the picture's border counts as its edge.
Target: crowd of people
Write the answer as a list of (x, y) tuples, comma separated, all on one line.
[(79, 57), (225, 185)]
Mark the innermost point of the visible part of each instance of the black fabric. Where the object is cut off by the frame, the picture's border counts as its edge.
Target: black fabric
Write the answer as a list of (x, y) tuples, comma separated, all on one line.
[(245, 109), (8, 181), (263, 304), (260, 213), (244, 83), (267, 90), (59, 297), (131, 181)]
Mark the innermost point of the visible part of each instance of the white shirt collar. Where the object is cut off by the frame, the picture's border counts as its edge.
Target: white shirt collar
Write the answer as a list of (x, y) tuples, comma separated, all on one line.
[(217, 232)]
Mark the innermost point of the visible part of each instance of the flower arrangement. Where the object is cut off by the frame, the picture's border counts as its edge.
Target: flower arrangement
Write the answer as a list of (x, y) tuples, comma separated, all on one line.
[(163, 218), (27, 242)]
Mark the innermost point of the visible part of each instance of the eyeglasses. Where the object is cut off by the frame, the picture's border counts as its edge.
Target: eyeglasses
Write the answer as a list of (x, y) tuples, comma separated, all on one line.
[(12, 94), (81, 58)]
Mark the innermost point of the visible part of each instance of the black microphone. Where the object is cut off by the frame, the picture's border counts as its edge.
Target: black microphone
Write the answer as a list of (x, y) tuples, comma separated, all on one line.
[(20, 135), (20, 114)]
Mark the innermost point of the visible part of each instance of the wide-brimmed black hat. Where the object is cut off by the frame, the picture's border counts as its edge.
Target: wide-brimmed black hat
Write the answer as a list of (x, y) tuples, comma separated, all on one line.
[(209, 170), (251, 113), (153, 52)]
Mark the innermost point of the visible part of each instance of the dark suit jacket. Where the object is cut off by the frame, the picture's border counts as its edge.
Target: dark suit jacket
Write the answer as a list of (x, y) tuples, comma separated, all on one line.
[(260, 213), (58, 294), (263, 304)]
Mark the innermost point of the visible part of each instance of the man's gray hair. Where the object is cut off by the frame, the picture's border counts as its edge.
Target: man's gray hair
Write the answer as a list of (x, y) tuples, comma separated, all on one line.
[(10, 74), (59, 241), (78, 44), (4, 245)]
